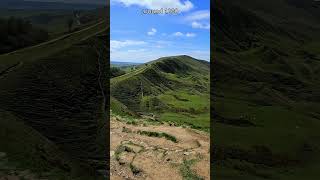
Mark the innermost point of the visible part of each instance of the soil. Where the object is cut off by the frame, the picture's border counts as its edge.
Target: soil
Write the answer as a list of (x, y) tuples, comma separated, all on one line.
[(138, 156)]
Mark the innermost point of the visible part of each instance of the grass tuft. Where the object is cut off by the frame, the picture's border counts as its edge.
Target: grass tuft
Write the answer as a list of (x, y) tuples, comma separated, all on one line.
[(186, 171), (135, 170), (159, 135)]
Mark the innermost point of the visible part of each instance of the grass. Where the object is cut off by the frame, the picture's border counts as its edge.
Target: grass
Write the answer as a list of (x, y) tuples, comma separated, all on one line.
[(273, 85), (118, 108), (121, 149), (134, 169), (124, 148), (182, 108), (158, 135), (201, 121), (53, 104), (187, 172), (54, 21), (283, 128), (51, 47), (134, 120), (183, 99), (176, 89)]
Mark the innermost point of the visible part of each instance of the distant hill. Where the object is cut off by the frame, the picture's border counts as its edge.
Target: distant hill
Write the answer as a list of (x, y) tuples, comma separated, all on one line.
[(265, 89), (120, 64), (147, 88)]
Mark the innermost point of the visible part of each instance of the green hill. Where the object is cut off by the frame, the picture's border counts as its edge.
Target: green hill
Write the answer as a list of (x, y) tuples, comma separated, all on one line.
[(55, 21), (53, 105), (175, 89), (266, 90)]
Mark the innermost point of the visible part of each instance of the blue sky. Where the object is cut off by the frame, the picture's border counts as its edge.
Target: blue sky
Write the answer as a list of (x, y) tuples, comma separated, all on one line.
[(138, 37)]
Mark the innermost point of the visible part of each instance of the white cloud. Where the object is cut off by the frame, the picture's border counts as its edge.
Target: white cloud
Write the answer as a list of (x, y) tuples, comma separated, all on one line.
[(136, 50), (155, 53), (158, 4), (198, 15), (199, 19), (178, 34), (136, 56), (198, 25), (162, 43), (152, 32), (114, 44), (190, 34)]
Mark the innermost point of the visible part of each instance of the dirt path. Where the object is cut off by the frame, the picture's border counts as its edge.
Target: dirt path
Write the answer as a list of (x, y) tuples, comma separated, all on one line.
[(157, 152)]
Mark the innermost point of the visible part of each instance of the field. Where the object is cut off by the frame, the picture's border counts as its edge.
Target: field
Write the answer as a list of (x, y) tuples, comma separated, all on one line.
[(194, 109)]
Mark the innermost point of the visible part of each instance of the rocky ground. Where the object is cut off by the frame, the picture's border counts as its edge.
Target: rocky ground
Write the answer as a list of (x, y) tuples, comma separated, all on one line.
[(157, 151)]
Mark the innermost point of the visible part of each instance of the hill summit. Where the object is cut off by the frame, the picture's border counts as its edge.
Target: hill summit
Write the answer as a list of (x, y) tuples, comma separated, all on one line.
[(157, 77)]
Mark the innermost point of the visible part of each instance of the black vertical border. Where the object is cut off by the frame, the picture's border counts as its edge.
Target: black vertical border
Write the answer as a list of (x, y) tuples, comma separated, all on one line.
[(108, 93)]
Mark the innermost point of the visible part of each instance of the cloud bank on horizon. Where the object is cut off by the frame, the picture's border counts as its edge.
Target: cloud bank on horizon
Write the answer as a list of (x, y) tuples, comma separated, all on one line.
[(158, 4), (140, 37)]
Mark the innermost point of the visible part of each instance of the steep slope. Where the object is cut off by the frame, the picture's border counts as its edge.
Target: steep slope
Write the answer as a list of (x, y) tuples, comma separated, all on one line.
[(53, 105), (265, 89), (167, 86)]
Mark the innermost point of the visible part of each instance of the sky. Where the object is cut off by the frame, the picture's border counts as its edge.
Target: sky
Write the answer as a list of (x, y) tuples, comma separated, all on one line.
[(137, 36)]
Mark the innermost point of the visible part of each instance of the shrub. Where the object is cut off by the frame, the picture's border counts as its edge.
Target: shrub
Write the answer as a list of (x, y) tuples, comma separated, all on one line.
[(115, 71)]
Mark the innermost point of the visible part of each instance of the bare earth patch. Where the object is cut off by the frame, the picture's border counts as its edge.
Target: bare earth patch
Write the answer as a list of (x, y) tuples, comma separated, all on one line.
[(158, 152)]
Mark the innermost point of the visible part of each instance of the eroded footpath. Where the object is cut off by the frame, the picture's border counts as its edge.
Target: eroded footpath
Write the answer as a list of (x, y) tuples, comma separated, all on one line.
[(149, 151)]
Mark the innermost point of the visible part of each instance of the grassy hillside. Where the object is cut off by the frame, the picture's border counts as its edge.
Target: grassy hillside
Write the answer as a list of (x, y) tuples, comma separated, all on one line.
[(55, 20), (53, 105), (175, 89), (265, 90), (17, 33)]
